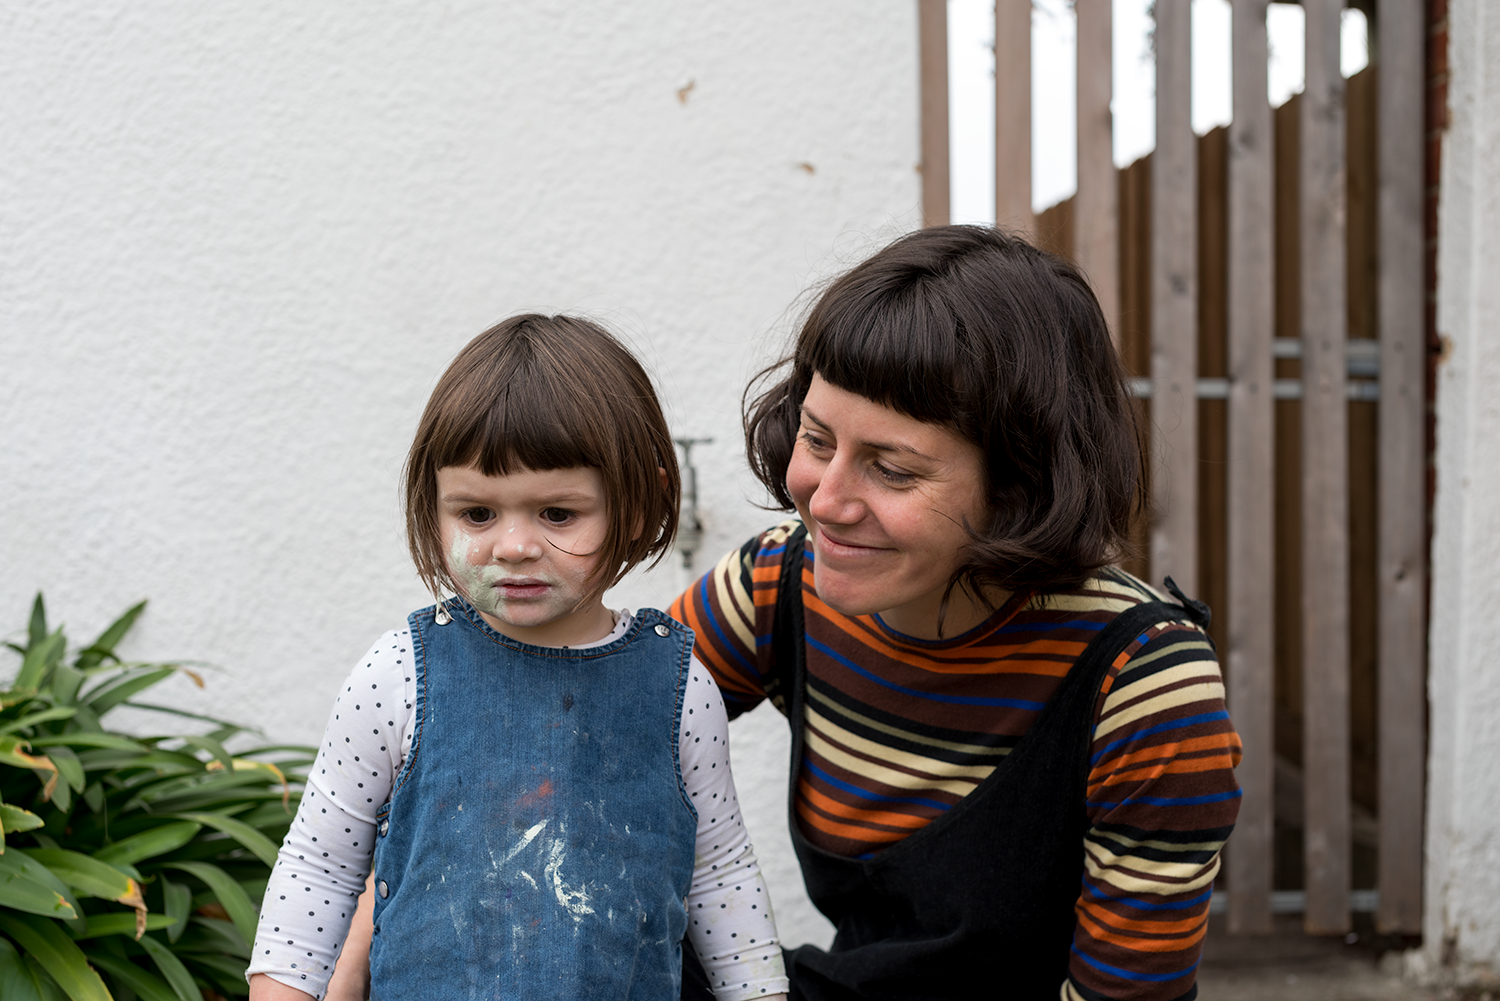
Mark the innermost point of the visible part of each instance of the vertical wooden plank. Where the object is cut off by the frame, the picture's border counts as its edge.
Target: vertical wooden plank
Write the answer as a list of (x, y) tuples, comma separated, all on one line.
[(1097, 209), (1402, 547), (1251, 472), (1174, 304), (1325, 467), (1013, 117), (932, 34)]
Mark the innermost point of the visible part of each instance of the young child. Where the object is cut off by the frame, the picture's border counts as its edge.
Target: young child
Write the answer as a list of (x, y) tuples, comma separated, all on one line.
[(543, 783)]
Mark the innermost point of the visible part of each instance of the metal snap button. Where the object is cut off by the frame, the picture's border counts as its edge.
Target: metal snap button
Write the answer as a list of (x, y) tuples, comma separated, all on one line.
[(385, 825), (385, 891), (662, 630)]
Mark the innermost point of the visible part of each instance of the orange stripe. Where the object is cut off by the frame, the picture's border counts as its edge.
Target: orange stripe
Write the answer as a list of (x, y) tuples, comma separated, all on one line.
[(849, 811), (1175, 943), (852, 833), (1212, 742), (1179, 766)]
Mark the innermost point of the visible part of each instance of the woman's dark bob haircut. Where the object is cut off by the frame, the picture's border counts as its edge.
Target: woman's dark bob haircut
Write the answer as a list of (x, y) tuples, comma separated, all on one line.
[(548, 392), (976, 330)]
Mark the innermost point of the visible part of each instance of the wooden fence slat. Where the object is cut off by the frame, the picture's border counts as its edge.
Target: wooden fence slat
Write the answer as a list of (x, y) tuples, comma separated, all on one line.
[(932, 34), (1402, 561), (1013, 117), (1174, 305), (1096, 211), (1325, 489), (1251, 472)]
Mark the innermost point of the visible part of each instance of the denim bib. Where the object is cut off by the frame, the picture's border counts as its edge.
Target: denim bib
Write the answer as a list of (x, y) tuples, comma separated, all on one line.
[(538, 842)]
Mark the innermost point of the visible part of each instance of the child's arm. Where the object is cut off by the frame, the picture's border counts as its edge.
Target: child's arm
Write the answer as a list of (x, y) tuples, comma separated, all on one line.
[(351, 976), (730, 924), (325, 857)]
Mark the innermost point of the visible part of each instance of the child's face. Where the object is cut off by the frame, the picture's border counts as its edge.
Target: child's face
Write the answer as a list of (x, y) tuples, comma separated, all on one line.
[(522, 548)]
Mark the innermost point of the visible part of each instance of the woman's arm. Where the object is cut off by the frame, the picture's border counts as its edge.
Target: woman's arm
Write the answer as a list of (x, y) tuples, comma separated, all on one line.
[(1162, 798)]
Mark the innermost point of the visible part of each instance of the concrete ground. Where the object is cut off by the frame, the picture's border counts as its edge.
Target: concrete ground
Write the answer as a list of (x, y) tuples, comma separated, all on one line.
[(1291, 966)]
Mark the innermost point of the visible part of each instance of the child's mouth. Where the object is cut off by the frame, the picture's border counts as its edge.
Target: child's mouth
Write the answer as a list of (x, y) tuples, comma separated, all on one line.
[(522, 588)]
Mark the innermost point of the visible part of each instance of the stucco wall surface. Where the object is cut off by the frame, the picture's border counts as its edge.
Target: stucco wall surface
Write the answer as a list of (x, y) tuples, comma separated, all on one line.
[(238, 244), (1462, 933)]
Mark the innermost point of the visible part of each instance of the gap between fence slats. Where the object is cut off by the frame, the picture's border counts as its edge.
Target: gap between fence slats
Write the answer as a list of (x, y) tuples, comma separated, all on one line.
[(932, 40), (1097, 206), (1325, 466), (1251, 513), (1402, 547), (1013, 117), (1174, 304)]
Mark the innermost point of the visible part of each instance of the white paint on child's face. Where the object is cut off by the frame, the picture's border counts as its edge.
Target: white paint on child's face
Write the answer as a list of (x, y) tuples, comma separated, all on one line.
[(522, 548)]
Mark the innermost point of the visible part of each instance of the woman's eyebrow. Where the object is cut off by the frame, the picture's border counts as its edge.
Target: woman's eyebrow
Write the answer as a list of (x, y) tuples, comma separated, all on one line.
[(879, 446)]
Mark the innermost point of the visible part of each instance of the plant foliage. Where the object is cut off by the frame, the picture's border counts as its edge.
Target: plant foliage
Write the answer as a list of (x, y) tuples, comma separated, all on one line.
[(130, 866)]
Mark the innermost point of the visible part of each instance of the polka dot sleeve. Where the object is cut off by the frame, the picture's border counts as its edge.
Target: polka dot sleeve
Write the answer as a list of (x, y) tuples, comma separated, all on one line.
[(730, 924), (325, 858)]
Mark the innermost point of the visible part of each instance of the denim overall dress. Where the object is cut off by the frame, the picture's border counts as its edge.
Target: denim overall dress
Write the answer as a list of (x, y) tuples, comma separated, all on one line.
[(538, 842)]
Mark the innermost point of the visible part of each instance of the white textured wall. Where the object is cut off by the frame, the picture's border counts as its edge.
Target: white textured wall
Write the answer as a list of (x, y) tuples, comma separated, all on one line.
[(1462, 932), (239, 242)]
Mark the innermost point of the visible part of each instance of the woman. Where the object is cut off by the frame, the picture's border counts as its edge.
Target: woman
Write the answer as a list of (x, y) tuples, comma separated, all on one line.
[(1011, 766)]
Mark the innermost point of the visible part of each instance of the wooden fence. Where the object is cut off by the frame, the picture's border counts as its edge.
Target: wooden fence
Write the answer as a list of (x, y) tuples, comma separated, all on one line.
[(1265, 285)]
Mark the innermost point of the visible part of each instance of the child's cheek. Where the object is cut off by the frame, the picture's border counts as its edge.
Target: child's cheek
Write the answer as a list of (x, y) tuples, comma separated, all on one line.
[(470, 572)]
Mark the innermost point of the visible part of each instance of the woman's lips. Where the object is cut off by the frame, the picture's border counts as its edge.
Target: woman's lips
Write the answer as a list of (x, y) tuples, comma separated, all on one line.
[(832, 546)]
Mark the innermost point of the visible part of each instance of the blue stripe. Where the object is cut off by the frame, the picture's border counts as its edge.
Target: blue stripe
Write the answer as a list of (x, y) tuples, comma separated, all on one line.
[(1040, 627), (1141, 905), (867, 794), (773, 552), (1217, 797), (708, 613), (1115, 971), (961, 700), (1151, 731)]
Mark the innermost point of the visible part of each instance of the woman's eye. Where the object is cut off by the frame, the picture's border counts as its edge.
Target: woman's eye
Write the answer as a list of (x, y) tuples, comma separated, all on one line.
[(556, 515), (892, 477), (813, 442)]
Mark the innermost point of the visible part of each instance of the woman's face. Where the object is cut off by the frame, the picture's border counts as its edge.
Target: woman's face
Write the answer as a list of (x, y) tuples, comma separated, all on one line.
[(885, 498)]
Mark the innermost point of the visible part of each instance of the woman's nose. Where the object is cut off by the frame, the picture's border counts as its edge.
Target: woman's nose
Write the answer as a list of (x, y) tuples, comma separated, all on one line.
[(836, 499)]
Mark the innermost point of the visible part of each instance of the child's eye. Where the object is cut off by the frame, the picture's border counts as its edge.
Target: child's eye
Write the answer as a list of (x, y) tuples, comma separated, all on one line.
[(892, 477), (478, 515), (556, 515)]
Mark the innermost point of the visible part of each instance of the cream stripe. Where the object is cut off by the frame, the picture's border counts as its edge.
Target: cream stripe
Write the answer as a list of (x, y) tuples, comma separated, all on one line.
[(1209, 691), (736, 606), (875, 773), (1129, 689), (1166, 846), (915, 738), (1131, 883), (1084, 603), (1166, 872), (931, 767)]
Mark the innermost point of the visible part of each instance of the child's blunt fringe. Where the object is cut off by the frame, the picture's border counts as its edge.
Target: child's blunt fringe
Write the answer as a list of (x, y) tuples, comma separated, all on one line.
[(548, 392)]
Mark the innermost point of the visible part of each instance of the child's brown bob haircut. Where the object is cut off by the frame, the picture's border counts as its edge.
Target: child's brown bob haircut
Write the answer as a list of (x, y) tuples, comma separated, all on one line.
[(975, 330), (548, 392)]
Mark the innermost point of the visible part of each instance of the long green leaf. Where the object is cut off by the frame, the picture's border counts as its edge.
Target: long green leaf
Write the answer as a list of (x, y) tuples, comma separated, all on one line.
[(214, 748), (110, 694), (147, 986), (27, 885), (236, 902), (105, 645), (177, 901), (240, 831), (174, 711), (66, 680), (87, 876), (120, 923), (14, 819), (68, 766), (20, 981), (112, 741), (46, 942), (36, 629), (32, 719), (39, 657), (171, 969), (148, 844)]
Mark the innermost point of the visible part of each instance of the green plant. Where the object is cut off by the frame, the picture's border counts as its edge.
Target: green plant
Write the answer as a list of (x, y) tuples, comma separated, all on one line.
[(129, 865)]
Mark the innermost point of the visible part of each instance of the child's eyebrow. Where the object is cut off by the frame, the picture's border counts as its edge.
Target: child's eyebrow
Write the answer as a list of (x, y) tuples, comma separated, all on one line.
[(880, 446)]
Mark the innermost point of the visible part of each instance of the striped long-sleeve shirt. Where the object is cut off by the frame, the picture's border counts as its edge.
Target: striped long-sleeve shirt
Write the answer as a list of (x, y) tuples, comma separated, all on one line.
[(898, 730)]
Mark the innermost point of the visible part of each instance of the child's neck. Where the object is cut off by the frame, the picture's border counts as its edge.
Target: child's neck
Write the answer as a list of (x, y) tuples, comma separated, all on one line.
[(580, 627)]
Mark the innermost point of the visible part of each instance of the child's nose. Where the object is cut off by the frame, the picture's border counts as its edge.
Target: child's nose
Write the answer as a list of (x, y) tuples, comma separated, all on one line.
[(516, 543)]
